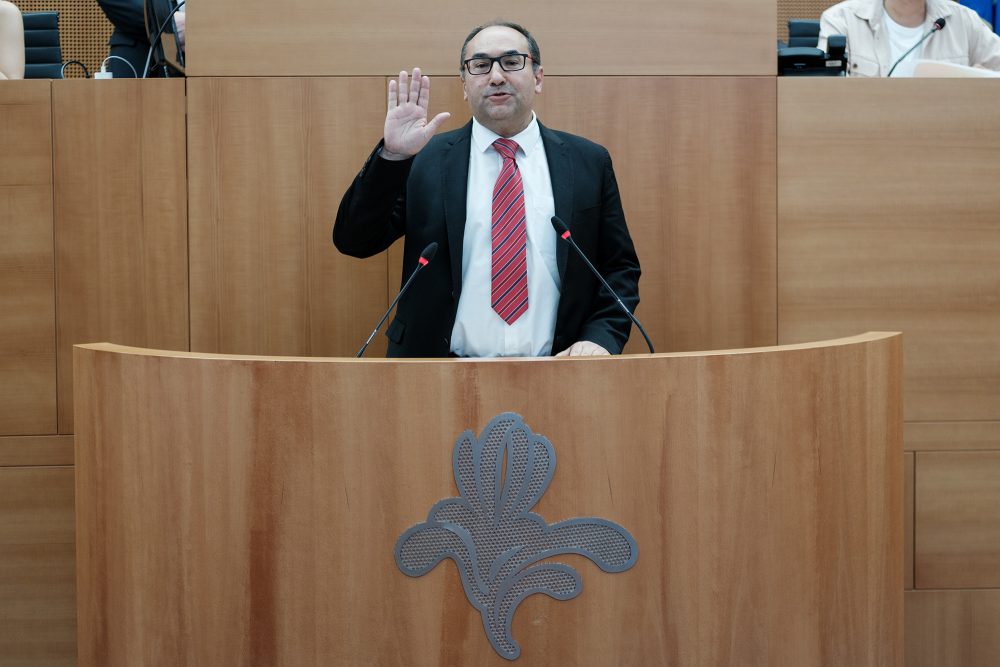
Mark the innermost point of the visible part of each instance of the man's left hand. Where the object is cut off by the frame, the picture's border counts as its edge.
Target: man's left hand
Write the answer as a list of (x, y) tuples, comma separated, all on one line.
[(583, 348)]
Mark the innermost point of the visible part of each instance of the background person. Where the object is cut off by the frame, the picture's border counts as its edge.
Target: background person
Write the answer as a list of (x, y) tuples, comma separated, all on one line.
[(879, 33), (11, 41), (129, 40)]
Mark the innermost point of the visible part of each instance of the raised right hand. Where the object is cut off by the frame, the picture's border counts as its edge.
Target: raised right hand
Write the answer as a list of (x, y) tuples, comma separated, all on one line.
[(406, 127)]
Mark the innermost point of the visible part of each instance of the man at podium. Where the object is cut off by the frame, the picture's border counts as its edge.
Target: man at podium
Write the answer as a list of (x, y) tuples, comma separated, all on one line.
[(503, 283)]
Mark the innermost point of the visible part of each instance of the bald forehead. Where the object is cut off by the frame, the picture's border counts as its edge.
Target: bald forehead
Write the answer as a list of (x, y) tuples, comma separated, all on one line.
[(496, 40)]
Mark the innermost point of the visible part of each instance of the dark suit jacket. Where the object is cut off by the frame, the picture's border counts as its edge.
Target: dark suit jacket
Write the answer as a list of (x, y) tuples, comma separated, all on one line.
[(424, 198), (129, 39)]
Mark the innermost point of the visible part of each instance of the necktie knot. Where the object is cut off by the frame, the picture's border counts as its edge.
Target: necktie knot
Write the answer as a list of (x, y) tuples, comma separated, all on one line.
[(506, 147)]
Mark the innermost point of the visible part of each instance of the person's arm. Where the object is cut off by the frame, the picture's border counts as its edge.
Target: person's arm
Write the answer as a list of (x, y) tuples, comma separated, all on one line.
[(127, 16), (373, 211), (180, 23), (11, 42), (984, 46), (831, 22), (607, 328)]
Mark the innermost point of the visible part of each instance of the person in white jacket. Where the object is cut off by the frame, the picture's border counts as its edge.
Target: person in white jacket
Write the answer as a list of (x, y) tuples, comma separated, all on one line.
[(11, 42), (879, 32)]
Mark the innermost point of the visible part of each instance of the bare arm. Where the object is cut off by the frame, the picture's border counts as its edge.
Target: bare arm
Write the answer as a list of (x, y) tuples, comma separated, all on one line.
[(11, 42)]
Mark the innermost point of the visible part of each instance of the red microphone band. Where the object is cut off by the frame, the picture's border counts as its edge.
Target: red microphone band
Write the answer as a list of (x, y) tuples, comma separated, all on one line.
[(423, 262), (565, 234)]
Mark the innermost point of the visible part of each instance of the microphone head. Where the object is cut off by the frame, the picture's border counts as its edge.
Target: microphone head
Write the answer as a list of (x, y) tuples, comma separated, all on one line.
[(560, 226), (428, 254), (939, 24)]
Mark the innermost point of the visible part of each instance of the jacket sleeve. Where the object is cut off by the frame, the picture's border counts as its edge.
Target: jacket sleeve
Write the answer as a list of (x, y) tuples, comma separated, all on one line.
[(984, 45), (616, 260), (831, 22), (128, 17), (372, 214)]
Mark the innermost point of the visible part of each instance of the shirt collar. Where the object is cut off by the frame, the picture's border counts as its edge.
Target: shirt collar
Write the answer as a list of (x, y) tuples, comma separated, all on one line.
[(527, 139), (872, 11)]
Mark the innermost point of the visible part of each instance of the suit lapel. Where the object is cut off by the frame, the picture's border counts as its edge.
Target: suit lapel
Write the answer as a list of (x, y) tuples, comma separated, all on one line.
[(454, 185), (561, 173)]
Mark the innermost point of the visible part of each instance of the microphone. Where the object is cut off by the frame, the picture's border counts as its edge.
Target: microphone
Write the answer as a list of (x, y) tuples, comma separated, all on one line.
[(938, 25), (563, 231), (425, 258)]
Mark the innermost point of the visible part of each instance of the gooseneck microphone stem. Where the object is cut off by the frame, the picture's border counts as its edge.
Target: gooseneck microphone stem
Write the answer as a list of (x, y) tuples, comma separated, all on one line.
[(938, 25), (563, 231), (425, 258)]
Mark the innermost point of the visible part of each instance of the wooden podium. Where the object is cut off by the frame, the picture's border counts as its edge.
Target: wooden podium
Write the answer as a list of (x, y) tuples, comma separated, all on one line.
[(246, 510)]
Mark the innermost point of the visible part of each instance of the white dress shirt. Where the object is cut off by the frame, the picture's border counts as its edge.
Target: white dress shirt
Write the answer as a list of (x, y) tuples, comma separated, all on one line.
[(479, 331)]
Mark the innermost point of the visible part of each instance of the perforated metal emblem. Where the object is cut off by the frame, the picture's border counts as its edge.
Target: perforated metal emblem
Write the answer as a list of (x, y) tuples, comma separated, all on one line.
[(496, 542)]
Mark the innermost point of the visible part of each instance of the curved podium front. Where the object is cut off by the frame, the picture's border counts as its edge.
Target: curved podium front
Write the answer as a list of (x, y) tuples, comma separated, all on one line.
[(251, 511)]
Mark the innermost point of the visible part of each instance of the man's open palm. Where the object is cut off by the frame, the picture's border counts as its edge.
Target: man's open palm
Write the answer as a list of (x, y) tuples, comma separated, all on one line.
[(406, 127)]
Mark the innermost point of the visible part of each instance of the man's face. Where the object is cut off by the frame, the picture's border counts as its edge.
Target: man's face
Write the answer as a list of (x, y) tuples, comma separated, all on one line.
[(502, 101)]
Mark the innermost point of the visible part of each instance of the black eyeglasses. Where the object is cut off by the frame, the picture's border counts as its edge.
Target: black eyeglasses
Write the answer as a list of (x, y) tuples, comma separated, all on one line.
[(509, 62)]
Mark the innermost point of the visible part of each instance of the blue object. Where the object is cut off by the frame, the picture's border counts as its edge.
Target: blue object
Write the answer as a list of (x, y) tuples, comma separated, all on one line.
[(982, 7)]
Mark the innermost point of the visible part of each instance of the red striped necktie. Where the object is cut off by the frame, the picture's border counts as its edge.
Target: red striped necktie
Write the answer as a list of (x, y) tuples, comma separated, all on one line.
[(509, 233)]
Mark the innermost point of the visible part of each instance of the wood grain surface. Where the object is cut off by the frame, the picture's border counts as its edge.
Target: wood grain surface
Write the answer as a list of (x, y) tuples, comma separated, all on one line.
[(27, 264), (120, 218), (763, 487), (884, 224), (952, 628), (311, 37), (270, 160), (38, 604), (957, 519)]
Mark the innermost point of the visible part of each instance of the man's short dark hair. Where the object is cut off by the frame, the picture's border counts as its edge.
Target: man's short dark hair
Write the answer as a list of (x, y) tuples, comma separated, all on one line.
[(533, 51)]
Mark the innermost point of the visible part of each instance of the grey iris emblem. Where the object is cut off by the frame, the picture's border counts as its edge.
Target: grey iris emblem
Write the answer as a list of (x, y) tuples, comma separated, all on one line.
[(495, 540)]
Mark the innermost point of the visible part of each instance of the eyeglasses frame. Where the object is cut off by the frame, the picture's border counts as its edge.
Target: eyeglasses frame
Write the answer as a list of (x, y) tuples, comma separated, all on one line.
[(496, 60)]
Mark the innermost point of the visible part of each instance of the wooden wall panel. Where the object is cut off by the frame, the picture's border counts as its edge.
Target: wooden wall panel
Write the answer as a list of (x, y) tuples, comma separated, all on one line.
[(38, 450), (27, 266), (940, 436), (120, 218), (270, 160), (957, 520), (37, 559), (695, 162), (908, 479), (885, 224), (952, 628), (313, 37), (26, 133)]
